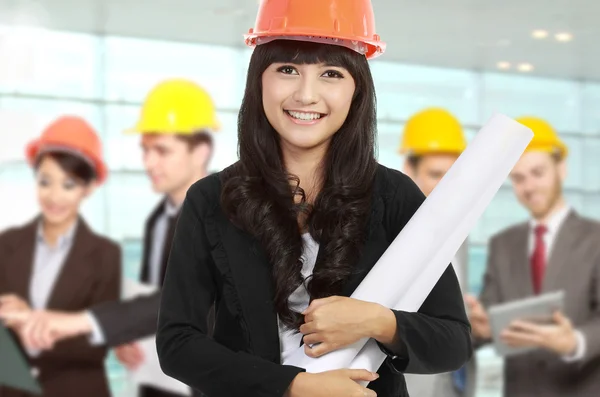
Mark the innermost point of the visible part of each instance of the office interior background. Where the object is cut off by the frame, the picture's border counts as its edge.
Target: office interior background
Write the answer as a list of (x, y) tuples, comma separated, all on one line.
[(99, 58)]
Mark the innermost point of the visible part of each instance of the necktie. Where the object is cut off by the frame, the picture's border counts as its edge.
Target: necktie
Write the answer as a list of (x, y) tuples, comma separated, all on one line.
[(538, 259)]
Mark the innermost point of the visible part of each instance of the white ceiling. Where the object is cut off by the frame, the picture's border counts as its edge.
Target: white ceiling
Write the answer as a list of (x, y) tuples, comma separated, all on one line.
[(471, 34)]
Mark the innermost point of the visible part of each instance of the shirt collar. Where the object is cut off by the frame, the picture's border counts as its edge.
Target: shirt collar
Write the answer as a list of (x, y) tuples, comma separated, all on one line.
[(171, 210), (63, 240), (555, 221)]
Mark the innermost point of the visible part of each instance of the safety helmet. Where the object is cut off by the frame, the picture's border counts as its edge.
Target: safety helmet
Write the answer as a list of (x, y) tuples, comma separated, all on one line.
[(545, 138), (177, 106), (431, 131), (348, 23), (73, 135)]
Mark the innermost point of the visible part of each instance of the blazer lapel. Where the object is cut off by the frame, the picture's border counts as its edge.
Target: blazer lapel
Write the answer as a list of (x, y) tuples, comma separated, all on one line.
[(561, 252), (74, 271), (520, 267), (251, 275), (375, 245), (147, 248), (21, 265)]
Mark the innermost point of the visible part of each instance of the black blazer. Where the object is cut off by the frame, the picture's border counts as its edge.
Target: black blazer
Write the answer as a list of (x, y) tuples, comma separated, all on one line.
[(212, 260)]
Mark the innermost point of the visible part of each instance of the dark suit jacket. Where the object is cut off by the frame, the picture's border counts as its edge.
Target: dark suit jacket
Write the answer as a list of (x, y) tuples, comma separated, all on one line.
[(573, 266), (126, 321), (90, 275), (212, 259)]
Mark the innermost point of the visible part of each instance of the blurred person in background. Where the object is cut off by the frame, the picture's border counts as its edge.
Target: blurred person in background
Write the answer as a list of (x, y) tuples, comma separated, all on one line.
[(556, 249), (176, 125), (432, 141), (57, 262), (283, 237)]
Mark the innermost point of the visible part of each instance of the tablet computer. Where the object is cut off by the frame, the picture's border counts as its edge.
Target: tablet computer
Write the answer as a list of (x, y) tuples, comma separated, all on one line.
[(14, 369), (538, 309)]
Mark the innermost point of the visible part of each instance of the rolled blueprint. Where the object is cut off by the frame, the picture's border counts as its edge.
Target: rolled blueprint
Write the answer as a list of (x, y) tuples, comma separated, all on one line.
[(432, 236)]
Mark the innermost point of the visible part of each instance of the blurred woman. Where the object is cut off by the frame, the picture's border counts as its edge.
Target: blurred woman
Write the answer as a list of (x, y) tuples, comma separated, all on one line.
[(57, 262), (280, 240)]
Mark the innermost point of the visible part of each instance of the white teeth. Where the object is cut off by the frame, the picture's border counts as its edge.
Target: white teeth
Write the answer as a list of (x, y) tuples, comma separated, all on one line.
[(304, 116)]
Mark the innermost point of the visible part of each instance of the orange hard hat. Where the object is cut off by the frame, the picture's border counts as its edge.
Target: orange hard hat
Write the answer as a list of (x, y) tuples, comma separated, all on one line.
[(73, 135), (349, 23)]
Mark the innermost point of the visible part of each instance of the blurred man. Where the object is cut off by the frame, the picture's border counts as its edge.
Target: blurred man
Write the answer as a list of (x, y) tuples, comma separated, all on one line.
[(432, 141), (176, 122), (555, 250)]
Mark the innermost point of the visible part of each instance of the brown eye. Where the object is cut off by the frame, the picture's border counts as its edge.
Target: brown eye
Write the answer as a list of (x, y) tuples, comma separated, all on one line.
[(287, 70), (333, 74)]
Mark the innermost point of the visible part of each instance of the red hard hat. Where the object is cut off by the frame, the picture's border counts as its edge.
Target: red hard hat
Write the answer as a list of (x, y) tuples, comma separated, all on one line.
[(350, 23), (73, 135)]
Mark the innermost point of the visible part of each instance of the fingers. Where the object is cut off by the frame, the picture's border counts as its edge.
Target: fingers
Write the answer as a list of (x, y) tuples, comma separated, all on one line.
[(561, 319), (309, 328), (313, 338), (320, 302), (319, 349), (130, 355), (520, 339), (367, 393), (361, 375), (525, 326)]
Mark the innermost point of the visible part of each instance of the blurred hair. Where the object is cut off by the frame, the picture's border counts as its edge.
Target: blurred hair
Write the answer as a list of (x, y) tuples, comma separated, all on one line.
[(196, 139), (414, 161), (258, 193), (74, 166)]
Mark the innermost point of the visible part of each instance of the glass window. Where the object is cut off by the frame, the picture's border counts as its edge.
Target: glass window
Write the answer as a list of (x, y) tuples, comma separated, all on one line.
[(134, 66), (129, 202), (388, 143), (402, 90), (43, 62), (591, 109), (575, 162), (557, 101), (591, 166), (123, 150), (24, 119), (225, 140)]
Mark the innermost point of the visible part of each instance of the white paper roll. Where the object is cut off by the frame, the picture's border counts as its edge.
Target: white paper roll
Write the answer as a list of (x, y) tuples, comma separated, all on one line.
[(430, 239)]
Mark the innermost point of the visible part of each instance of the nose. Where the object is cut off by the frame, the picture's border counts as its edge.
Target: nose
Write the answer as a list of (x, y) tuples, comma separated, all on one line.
[(307, 91)]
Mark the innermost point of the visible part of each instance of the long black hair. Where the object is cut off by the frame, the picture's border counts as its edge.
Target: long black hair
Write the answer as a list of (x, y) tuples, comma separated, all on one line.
[(258, 193)]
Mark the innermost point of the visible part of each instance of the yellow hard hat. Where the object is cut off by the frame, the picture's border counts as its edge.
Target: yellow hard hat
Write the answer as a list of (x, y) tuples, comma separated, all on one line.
[(545, 138), (177, 106), (430, 131)]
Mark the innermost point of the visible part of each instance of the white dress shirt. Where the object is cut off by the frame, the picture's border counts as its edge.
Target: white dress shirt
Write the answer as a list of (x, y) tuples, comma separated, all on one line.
[(48, 262), (290, 340), (553, 226)]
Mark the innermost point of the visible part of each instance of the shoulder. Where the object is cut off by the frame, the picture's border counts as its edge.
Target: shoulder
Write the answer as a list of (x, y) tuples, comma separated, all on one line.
[(14, 235), (204, 196), (591, 227), (508, 233), (107, 247), (394, 186)]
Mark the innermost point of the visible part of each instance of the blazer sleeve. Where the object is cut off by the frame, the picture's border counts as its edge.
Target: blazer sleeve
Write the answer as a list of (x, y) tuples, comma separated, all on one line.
[(106, 288), (437, 338), (591, 329), (185, 350), (125, 321), (490, 293)]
